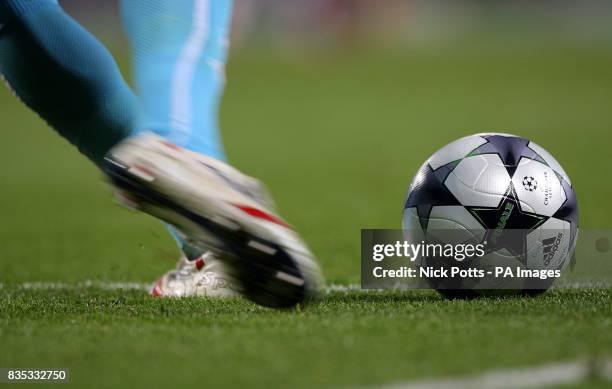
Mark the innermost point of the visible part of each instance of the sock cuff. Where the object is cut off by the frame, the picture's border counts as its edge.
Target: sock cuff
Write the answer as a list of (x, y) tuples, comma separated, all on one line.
[(10, 9)]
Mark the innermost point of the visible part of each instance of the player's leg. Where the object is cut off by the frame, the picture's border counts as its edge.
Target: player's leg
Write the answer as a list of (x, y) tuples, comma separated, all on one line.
[(64, 74), (179, 51), (180, 48)]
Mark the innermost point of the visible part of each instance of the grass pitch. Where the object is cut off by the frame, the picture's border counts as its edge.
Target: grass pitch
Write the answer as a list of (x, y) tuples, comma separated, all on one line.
[(337, 137), (127, 338)]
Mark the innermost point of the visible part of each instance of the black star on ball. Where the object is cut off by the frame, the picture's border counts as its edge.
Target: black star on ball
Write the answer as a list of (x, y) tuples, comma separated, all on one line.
[(507, 224)]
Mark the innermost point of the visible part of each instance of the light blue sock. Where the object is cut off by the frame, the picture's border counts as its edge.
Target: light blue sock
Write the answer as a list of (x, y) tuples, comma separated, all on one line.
[(179, 53)]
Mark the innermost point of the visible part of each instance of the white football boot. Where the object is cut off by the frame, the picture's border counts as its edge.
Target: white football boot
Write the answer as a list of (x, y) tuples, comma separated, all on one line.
[(204, 276), (221, 210)]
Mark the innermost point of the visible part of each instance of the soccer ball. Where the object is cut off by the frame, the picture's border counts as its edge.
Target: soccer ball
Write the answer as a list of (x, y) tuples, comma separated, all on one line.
[(486, 184)]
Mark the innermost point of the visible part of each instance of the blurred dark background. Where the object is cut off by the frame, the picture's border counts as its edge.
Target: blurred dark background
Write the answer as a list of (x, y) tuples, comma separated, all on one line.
[(333, 22)]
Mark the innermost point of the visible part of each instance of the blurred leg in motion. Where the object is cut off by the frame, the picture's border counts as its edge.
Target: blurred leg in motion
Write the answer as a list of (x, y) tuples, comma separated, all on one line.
[(70, 80), (179, 49), (64, 74)]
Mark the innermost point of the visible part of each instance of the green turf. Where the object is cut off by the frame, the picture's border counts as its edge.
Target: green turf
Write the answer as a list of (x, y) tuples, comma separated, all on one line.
[(337, 136), (346, 338)]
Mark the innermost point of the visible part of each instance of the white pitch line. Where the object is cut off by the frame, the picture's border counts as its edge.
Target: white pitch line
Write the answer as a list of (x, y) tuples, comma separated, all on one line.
[(130, 285), (606, 370), (535, 377), (110, 285), (126, 285)]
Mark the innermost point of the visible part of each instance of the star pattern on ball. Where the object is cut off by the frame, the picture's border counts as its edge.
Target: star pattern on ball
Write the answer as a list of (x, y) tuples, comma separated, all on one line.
[(428, 190), (510, 150), (507, 224)]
